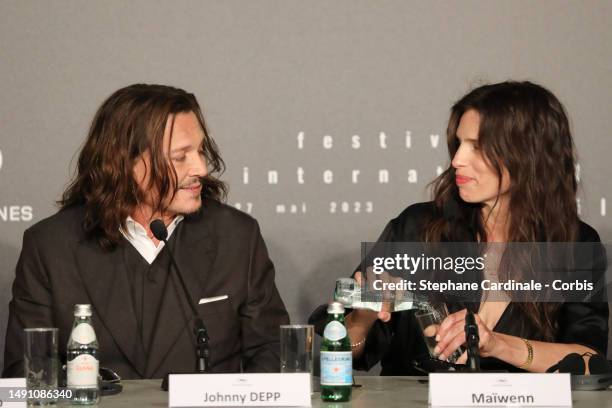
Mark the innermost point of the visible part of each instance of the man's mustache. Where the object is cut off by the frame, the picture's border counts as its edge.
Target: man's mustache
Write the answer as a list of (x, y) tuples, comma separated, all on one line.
[(191, 182)]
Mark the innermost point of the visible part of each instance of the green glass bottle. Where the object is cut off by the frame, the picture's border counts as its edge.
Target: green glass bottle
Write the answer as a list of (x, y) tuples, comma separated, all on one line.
[(336, 357)]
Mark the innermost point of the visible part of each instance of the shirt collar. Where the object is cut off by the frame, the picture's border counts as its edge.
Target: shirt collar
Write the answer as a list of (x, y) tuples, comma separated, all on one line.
[(134, 228)]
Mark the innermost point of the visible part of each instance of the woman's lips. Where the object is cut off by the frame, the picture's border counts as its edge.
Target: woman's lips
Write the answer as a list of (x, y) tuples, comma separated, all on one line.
[(462, 179)]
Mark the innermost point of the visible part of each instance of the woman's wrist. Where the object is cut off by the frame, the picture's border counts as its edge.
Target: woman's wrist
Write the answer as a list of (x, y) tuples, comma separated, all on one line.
[(513, 350), (359, 323), (499, 346), (527, 363), (361, 320)]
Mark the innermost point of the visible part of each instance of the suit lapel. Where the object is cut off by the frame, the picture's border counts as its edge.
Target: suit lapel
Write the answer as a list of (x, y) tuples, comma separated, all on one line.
[(194, 252), (108, 288)]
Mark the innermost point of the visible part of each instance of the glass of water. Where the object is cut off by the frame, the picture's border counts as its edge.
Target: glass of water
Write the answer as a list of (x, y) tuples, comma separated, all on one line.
[(430, 320), (41, 364), (296, 349)]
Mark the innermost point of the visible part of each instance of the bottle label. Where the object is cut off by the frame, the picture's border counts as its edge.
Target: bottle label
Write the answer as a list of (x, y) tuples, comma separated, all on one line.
[(83, 371), (334, 331), (336, 368), (83, 333)]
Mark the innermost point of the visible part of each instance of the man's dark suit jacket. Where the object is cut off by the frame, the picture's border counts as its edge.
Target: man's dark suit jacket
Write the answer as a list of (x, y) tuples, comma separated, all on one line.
[(221, 252)]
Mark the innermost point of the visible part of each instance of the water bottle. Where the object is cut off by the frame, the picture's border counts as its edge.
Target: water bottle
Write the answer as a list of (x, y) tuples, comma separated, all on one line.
[(349, 293), (336, 357), (83, 364)]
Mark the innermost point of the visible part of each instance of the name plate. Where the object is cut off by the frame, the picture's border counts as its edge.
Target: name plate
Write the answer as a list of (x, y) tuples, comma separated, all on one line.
[(499, 390), (13, 392), (239, 390)]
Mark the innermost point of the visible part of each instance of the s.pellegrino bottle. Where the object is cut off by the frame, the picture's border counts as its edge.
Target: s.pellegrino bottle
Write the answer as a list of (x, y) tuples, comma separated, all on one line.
[(336, 357), (83, 364)]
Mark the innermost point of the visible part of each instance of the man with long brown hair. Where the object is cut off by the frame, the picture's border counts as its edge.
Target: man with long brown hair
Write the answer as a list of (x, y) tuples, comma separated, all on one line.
[(149, 156)]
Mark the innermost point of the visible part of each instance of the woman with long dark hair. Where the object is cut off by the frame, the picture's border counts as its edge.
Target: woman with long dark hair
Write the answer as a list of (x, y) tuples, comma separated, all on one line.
[(511, 179)]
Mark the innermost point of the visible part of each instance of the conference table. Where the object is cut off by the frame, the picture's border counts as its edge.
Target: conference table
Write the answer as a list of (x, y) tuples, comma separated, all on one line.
[(375, 391)]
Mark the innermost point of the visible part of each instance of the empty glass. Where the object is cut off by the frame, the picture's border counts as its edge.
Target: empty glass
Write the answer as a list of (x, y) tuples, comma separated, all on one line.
[(296, 349), (41, 363)]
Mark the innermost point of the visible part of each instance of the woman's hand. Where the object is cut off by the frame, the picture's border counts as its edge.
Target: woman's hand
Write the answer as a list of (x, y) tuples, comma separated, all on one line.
[(388, 297), (360, 321), (451, 335)]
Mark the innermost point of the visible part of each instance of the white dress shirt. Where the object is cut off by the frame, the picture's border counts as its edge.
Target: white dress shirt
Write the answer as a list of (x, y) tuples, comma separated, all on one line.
[(136, 234)]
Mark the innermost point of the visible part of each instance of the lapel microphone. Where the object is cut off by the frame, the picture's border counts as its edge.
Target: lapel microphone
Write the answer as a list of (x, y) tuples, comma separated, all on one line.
[(159, 230)]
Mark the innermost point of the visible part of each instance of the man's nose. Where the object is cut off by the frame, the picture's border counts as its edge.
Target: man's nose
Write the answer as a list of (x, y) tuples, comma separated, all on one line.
[(199, 167)]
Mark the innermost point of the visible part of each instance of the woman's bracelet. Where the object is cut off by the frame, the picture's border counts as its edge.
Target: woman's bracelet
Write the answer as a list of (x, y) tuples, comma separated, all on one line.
[(359, 343), (529, 360)]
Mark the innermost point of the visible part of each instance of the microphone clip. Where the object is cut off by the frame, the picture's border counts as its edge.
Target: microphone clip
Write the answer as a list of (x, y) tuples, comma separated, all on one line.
[(203, 346)]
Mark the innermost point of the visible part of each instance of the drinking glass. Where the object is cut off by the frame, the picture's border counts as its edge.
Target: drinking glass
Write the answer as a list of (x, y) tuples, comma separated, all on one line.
[(41, 363), (430, 320), (296, 349)]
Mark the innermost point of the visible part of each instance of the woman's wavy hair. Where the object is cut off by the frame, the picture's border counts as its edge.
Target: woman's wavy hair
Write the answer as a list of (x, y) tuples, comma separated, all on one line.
[(131, 121), (524, 129)]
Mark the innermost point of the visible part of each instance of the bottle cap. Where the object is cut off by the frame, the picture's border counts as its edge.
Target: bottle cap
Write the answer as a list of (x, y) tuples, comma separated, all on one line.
[(82, 310), (335, 308)]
